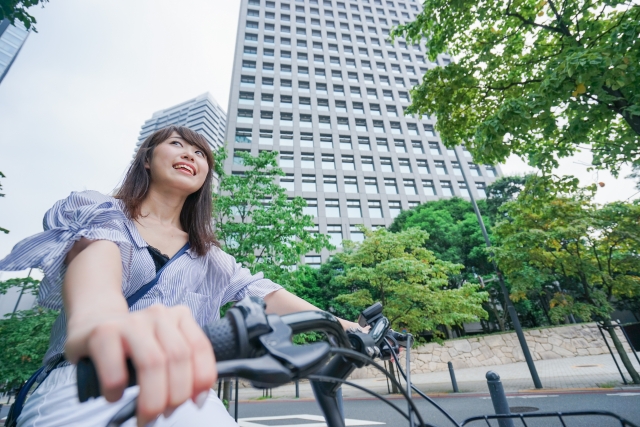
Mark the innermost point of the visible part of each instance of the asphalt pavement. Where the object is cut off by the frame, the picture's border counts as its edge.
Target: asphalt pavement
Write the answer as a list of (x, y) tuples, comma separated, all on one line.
[(372, 412)]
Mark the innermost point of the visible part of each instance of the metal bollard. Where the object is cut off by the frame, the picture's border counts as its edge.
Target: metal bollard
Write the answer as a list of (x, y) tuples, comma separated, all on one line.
[(297, 389), (235, 413), (498, 398), (340, 402), (454, 383)]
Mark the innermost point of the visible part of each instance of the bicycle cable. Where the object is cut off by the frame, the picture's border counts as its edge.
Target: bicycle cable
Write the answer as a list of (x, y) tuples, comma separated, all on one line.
[(423, 395)]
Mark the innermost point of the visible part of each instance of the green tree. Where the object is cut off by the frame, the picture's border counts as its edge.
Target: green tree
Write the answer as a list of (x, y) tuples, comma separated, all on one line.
[(24, 337), (535, 78), (16, 10), (564, 237), (255, 220), (502, 190), (410, 282)]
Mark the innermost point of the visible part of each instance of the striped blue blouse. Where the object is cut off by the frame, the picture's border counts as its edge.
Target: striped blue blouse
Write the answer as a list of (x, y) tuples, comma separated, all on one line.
[(202, 283)]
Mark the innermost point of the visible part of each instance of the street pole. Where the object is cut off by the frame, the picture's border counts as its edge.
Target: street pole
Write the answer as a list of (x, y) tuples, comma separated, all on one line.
[(510, 307)]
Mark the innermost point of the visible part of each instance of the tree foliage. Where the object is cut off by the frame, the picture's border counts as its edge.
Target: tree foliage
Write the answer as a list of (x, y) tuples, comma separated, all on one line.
[(410, 282), (255, 220), (24, 337), (564, 238), (16, 10), (535, 78)]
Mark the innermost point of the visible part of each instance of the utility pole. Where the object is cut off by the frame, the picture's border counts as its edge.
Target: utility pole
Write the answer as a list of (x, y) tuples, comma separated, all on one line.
[(510, 307)]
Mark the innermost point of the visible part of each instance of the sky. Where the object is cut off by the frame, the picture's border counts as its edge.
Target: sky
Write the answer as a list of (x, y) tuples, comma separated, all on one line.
[(72, 105)]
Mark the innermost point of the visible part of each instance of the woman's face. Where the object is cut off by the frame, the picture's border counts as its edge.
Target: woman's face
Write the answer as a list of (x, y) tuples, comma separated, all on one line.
[(178, 165)]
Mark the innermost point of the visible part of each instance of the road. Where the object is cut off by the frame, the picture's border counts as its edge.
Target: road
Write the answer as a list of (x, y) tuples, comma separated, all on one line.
[(371, 412)]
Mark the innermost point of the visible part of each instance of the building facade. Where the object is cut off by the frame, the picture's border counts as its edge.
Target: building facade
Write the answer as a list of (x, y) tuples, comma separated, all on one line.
[(201, 114), (318, 81), (12, 38)]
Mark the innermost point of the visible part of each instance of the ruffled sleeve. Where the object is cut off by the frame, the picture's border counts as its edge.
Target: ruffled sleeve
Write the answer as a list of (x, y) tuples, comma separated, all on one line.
[(86, 214)]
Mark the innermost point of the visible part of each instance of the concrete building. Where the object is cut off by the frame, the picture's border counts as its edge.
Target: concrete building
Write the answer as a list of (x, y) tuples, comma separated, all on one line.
[(12, 37), (318, 81), (201, 114)]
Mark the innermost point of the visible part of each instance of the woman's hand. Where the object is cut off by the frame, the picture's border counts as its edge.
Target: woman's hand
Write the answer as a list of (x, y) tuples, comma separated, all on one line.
[(173, 358), (352, 326)]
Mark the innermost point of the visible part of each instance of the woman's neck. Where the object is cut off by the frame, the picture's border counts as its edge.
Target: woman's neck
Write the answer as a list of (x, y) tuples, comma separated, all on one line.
[(162, 207)]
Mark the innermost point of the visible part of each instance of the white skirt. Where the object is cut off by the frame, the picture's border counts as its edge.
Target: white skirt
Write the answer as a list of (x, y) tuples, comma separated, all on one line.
[(55, 403)]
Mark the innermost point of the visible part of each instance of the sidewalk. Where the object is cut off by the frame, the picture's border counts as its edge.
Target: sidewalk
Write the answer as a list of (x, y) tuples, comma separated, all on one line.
[(581, 372)]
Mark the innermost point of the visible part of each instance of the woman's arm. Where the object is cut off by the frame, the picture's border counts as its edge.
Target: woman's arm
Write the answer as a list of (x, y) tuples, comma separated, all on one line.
[(283, 302), (165, 344)]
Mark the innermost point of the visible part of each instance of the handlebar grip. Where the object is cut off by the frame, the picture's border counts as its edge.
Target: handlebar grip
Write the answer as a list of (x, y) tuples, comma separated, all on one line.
[(224, 338)]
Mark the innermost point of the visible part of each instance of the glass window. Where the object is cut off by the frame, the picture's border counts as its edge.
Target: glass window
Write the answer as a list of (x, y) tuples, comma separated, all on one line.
[(347, 163), (395, 207), (307, 161), (326, 141), (353, 209), (481, 188), (330, 184), (390, 186), (356, 234), (323, 105), (375, 209), (328, 162), (370, 185), (382, 144), (361, 125), (313, 261), (350, 184), (324, 122), (248, 65), (375, 109), (396, 129), (363, 143), (392, 111), (456, 168), (343, 123), (311, 208), (434, 148), (306, 139), (378, 126), (287, 182), (429, 130), (491, 171), (372, 93), (451, 152), (243, 136), (410, 187), (367, 164), (332, 208), (387, 95), (417, 147), (335, 234), (355, 92), (464, 190), (246, 98), (441, 169), (423, 167), (345, 142), (447, 189), (405, 165), (475, 169), (286, 138), (266, 136), (358, 107), (237, 158), (338, 90), (286, 160), (429, 188), (400, 145), (413, 129)]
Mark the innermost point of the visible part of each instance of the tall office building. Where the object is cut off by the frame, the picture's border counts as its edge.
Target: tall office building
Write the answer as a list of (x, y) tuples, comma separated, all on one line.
[(12, 37), (318, 81), (201, 114)]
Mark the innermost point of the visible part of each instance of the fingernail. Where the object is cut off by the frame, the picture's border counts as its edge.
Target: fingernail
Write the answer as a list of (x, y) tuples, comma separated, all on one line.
[(201, 399)]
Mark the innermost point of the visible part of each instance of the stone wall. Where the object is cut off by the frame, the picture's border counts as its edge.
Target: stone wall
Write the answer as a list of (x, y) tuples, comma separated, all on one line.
[(500, 349)]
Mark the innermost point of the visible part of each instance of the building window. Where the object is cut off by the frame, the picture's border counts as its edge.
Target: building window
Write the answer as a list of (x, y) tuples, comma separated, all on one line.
[(356, 234), (447, 188), (441, 169), (328, 162), (266, 136), (335, 235), (326, 141), (313, 261), (405, 165), (481, 188), (423, 167), (353, 209), (243, 136), (332, 208), (286, 138), (413, 129), (392, 111), (400, 144), (324, 122), (350, 184), (382, 144), (367, 164), (451, 152), (378, 126), (306, 139), (247, 81), (395, 207), (417, 147), (237, 158), (491, 171), (305, 120), (466, 152), (355, 92), (387, 95), (307, 161), (323, 105), (372, 93), (304, 103), (375, 209), (475, 169), (330, 184), (456, 168), (248, 65), (345, 142), (343, 123), (386, 165), (348, 164), (311, 208), (363, 143), (287, 182), (245, 116), (390, 186), (429, 130), (428, 187), (286, 160), (246, 98), (341, 106), (410, 187), (434, 148), (371, 185), (464, 190)]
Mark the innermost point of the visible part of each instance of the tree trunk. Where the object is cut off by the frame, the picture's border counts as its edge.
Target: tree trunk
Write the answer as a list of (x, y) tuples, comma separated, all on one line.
[(226, 393), (623, 354), (392, 370)]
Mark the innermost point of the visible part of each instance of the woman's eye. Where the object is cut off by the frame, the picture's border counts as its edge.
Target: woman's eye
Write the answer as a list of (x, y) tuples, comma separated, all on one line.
[(176, 142), (200, 153)]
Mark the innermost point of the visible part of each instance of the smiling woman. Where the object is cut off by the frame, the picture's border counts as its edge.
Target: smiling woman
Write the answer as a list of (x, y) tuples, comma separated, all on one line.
[(121, 297)]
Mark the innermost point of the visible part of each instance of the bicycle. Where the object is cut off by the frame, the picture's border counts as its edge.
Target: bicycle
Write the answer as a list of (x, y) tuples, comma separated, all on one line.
[(257, 347)]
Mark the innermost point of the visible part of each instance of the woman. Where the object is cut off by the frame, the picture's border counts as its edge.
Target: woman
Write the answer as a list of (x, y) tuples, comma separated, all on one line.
[(98, 252)]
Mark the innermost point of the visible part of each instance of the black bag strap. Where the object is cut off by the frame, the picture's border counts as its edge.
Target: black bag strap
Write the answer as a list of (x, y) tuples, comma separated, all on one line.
[(146, 288)]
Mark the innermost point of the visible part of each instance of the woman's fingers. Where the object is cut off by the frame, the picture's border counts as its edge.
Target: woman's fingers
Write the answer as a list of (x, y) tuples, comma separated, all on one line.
[(105, 344), (203, 359), (178, 353)]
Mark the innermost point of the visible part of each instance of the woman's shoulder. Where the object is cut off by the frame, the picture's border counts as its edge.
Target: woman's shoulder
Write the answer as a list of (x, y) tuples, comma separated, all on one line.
[(82, 206)]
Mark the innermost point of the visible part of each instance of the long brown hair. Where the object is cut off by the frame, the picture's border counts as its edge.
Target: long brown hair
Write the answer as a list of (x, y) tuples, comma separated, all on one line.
[(195, 216)]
